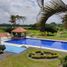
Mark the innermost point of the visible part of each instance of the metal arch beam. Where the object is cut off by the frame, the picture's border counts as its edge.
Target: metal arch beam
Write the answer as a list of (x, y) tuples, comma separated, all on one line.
[(57, 6)]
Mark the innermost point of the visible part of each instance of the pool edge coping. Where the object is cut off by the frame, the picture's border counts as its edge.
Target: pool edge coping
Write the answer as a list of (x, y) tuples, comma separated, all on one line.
[(28, 46), (46, 39)]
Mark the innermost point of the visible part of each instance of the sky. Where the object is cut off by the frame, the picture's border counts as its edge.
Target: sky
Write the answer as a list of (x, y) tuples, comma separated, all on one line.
[(27, 8)]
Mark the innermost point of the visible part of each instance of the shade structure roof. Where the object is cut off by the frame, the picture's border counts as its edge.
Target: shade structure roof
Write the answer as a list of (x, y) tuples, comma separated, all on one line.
[(19, 30), (4, 34)]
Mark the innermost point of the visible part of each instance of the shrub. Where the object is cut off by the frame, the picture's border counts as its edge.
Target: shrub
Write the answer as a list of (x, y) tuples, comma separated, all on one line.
[(65, 64), (8, 29), (2, 48), (46, 52), (38, 52), (43, 55), (65, 59), (49, 57), (31, 54)]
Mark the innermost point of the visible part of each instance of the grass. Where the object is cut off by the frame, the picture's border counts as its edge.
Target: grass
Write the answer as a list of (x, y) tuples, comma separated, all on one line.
[(22, 60), (37, 33), (2, 30), (57, 36)]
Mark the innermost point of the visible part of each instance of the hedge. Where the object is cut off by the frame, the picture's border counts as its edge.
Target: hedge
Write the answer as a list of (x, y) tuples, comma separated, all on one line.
[(43, 55)]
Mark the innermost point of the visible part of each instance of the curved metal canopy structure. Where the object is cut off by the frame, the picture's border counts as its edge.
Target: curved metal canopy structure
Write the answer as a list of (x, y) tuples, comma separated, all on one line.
[(54, 6)]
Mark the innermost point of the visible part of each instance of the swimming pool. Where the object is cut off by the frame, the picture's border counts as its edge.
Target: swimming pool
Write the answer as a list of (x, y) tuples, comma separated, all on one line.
[(42, 43), (14, 49)]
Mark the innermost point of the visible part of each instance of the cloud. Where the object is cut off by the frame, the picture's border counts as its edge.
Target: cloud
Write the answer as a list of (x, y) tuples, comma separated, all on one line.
[(28, 8)]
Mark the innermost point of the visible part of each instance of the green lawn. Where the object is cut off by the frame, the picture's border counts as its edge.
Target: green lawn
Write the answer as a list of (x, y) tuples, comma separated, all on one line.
[(22, 60), (37, 33), (57, 36), (2, 30)]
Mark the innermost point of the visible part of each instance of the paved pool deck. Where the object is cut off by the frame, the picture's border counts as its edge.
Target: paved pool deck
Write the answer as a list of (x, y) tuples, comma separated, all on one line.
[(6, 55)]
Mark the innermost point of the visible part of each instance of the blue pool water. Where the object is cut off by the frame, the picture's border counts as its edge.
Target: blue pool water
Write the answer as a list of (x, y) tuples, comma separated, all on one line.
[(14, 49), (42, 43)]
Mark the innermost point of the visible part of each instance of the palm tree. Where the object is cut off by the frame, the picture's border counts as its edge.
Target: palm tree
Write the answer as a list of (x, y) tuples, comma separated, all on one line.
[(55, 6), (21, 18), (14, 18)]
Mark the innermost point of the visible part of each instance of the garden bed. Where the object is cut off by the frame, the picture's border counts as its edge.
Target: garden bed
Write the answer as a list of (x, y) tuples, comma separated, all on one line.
[(43, 55)]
